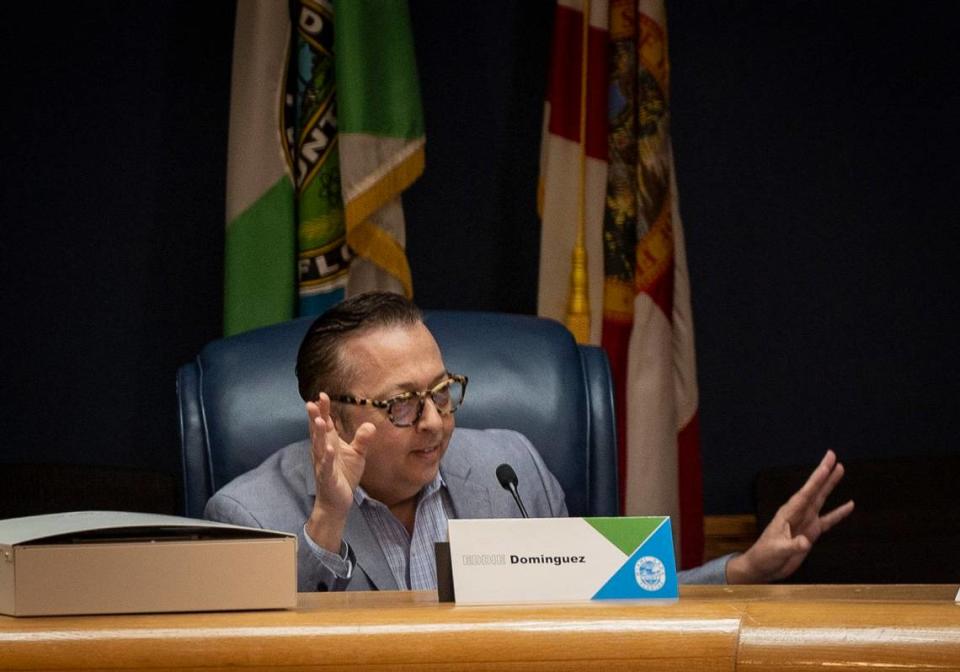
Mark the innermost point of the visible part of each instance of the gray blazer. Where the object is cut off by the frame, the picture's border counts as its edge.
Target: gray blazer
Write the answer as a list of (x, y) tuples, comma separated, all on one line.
[(278, 495)]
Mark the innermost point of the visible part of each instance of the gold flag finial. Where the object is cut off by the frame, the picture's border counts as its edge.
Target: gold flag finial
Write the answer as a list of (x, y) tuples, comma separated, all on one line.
[(578, 303)]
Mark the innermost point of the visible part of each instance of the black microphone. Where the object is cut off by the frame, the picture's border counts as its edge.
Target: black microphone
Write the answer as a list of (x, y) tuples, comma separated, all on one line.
[(508, 480)]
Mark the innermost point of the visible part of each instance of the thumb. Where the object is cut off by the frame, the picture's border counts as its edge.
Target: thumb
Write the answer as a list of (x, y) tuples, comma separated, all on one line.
[(363, 437)]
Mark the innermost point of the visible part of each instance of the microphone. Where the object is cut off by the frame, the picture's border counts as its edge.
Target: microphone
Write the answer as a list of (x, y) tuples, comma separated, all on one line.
[(508, 481)]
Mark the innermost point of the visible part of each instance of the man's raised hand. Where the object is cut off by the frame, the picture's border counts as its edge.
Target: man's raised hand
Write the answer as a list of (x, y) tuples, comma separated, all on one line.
[(337, 467), (786, 541)]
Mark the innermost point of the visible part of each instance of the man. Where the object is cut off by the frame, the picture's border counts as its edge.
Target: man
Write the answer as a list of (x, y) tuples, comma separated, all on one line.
[(384, 469)]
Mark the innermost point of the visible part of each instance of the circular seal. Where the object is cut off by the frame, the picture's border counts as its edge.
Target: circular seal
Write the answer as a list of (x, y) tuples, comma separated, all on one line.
[(650, 573)]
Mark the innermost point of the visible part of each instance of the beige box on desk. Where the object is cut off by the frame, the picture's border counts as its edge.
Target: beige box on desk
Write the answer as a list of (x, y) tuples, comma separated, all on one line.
[(109, 562)]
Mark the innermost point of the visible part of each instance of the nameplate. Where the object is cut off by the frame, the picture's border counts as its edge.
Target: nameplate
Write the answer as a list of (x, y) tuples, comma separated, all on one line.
[(562, 559)]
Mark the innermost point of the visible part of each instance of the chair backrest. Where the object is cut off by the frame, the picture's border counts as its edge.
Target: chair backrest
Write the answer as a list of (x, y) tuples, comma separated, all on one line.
[(239, 402)]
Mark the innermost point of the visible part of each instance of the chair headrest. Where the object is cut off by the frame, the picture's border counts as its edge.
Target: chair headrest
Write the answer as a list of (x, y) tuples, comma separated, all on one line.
[(525, 374)]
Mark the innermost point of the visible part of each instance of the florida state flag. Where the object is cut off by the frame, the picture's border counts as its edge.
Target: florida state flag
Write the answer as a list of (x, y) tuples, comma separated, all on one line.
[(607, 170)]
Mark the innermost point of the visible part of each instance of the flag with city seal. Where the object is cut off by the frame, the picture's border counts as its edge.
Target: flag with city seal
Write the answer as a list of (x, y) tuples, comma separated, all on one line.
[(326, 131)]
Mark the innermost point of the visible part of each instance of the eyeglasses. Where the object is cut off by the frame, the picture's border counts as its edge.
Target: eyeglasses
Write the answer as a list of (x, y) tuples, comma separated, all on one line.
[(405, 410)]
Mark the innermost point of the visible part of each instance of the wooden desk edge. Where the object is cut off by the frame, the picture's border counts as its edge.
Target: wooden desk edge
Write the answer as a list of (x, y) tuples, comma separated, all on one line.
[(709, 628)]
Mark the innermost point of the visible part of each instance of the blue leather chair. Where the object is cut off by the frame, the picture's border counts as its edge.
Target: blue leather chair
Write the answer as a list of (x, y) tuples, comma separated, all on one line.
[(239, 401)]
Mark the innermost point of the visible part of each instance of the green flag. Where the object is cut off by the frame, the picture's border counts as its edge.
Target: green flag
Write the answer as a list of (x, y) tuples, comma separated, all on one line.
[(326, 131), (260, 245), (381, 135)]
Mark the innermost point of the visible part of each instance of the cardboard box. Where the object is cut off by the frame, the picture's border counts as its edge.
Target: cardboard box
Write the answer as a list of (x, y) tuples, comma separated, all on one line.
[(99, 562)]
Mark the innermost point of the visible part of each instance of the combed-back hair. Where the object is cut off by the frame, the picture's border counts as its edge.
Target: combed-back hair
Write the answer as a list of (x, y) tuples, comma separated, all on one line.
[(320, 368)]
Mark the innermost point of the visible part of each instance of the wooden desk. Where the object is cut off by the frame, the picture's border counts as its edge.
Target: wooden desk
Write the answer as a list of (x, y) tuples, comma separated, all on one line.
[(709, 628)]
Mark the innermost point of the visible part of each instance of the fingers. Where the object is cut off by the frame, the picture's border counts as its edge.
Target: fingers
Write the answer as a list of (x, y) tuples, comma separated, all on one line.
[(831, 518), (827, 488), (323, 436), (815, 490), (324, 453), (819, 476), (800, 544), (318, 409)]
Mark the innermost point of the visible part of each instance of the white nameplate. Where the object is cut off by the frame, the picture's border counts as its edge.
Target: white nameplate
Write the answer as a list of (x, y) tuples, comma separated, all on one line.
[(562, 559)]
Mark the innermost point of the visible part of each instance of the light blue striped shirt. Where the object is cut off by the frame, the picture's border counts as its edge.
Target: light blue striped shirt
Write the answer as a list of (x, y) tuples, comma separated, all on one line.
[(410, 557)]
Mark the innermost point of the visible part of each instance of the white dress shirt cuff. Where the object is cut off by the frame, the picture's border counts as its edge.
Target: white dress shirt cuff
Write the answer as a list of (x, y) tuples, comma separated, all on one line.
[(338, 564)]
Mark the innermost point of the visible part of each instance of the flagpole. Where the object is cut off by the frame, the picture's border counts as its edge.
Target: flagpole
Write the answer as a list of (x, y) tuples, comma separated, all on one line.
[(578, 303)]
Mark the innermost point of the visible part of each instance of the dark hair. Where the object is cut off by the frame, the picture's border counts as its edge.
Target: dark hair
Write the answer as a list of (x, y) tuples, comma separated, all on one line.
[(319, 367)]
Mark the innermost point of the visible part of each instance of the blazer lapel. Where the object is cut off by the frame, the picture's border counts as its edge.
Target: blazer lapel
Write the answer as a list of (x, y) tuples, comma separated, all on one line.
[(470, 500)]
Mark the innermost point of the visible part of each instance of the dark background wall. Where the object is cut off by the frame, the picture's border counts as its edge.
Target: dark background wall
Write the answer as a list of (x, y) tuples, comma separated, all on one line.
[(817, 159), (815, 147)]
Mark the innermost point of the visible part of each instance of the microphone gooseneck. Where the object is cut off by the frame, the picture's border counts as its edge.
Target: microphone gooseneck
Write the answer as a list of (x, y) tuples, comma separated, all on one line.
[(508, 481)]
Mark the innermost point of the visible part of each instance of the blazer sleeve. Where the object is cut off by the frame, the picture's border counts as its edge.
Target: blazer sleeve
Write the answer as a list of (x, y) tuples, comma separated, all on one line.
[(312, 574), (713, 572)]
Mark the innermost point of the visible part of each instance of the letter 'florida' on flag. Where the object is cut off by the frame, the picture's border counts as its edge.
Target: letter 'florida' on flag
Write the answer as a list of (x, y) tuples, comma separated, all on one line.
[(607, 168), (326, 131)]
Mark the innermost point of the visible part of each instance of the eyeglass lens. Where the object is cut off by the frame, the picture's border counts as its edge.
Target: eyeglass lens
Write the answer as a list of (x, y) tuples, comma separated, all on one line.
[(447, 398)]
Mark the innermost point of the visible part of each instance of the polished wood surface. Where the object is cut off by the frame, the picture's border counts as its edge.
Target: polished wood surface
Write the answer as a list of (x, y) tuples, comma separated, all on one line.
[(709, 628)]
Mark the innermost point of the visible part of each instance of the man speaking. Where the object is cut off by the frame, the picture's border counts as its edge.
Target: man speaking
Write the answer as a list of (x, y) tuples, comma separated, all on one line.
[(385, 468)]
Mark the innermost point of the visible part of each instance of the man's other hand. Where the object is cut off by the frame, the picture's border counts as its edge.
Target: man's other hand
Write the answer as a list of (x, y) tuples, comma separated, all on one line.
[(797, 525)]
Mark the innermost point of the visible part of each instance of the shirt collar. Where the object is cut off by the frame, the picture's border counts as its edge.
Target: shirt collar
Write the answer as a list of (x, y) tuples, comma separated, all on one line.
[(360, 496)]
